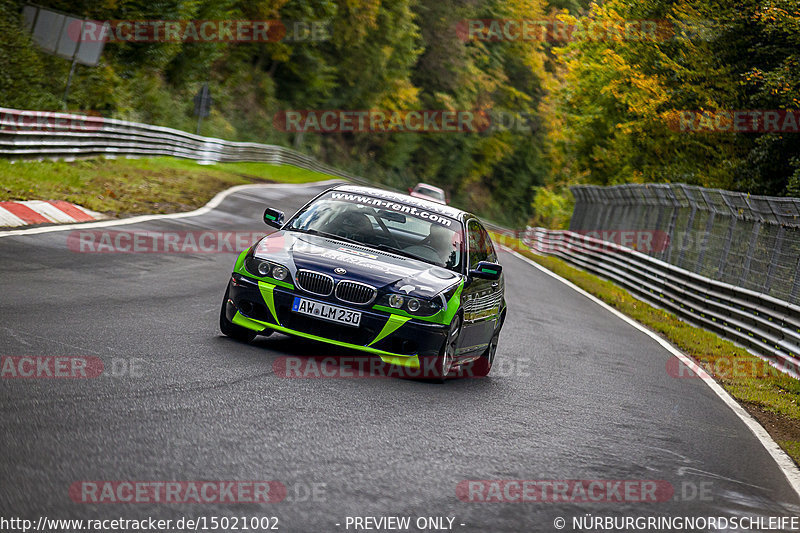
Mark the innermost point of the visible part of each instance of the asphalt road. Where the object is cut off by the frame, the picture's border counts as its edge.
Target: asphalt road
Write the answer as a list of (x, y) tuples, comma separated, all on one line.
[(577, 394)]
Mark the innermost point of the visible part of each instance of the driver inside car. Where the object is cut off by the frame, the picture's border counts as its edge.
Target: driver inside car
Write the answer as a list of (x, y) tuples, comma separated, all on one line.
[(441, 239), (354, 225)]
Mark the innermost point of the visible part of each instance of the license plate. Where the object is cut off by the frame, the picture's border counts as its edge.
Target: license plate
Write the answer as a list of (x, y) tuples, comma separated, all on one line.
[(332, 313)]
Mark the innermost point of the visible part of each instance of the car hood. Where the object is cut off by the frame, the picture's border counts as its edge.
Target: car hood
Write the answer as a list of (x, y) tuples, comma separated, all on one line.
[(383, 270)]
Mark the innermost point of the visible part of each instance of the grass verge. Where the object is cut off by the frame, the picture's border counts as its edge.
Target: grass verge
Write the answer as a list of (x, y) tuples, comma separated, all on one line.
[(122, 187), (771, 396)]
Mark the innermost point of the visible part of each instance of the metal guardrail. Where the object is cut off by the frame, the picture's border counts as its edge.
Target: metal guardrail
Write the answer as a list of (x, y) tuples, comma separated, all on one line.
[(765, 325), (746, 240), (48, 135)]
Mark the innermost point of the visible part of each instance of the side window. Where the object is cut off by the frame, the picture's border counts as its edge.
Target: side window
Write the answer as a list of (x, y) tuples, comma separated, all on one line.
[(478, 249), (486, 244)]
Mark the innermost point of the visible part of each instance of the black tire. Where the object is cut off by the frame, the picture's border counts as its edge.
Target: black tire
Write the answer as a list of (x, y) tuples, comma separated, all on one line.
[(442, 364), (483, 365), (230, 329)]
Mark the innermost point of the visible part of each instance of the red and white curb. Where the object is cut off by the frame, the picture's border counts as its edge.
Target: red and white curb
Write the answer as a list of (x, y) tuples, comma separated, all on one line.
[(14, 214)]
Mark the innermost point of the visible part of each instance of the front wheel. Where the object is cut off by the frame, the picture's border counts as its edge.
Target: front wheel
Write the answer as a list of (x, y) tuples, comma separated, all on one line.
[(228, 328), (443, 363)]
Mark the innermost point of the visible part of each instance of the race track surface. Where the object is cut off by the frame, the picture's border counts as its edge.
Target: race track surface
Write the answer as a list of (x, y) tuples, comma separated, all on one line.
[(578, 394)]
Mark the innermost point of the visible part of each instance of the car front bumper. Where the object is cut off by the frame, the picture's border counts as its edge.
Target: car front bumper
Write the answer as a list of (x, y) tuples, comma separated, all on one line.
[(259, 305)]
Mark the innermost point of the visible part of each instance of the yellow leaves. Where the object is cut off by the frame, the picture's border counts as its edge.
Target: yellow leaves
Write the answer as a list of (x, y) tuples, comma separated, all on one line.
[(641, 93), (522, 9), (776, 18), (364, 11), (264, 9), (356, 18), (403, 95)]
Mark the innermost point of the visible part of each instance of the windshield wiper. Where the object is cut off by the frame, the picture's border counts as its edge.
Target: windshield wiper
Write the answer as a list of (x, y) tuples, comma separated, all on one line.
[(390, 249), (327, 235)]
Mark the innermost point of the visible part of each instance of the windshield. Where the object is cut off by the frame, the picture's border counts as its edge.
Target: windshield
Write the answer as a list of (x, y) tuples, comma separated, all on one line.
[(427, 191), (403, 229)]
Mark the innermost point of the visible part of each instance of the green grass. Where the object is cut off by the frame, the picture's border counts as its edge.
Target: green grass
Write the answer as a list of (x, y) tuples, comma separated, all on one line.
[(137, 186), (792, 447), (759, 387)]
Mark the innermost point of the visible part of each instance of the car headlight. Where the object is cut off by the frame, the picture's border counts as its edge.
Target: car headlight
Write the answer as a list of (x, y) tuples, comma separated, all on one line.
[(263, 268), (414, 306), (279, 272)]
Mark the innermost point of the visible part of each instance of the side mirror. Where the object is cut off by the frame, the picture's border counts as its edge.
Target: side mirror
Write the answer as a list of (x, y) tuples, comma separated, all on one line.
[(273, 217), (486, 270)]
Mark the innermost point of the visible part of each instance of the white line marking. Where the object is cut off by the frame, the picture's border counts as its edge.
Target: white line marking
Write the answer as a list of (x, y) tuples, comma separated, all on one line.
[(785, 463), (210, 206)]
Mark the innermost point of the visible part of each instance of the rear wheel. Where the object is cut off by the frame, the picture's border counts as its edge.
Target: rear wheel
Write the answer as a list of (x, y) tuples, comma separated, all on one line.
[(483, 365), (230, 329)]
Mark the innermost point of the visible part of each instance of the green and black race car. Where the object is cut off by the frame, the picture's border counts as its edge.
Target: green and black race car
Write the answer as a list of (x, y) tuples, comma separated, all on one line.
[(411, 281)]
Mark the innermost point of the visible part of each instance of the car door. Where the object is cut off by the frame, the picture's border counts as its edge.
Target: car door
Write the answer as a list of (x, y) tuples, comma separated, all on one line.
[(495, 301), (477, 295)]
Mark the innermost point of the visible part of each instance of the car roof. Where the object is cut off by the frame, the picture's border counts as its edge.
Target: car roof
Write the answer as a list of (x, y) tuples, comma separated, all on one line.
[(428, 205), (429, 186)]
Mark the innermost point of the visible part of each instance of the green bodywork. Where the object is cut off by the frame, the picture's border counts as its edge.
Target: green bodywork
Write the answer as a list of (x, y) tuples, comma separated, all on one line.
[(409, 361), (269, 299), (394, 322)]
